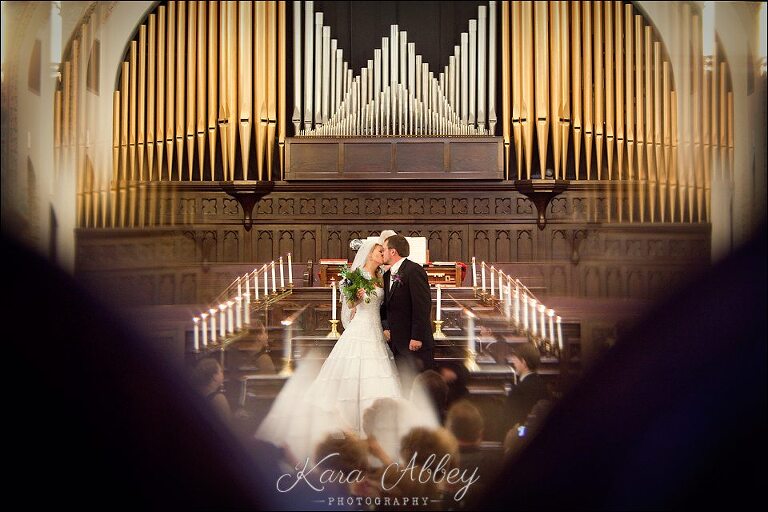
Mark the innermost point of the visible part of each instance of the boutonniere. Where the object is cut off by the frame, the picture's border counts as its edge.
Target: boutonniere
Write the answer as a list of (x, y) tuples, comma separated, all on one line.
[(397, 279)]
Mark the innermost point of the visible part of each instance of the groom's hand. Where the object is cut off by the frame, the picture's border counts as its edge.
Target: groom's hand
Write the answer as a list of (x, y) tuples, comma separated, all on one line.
[(387, 334), (414, 345)]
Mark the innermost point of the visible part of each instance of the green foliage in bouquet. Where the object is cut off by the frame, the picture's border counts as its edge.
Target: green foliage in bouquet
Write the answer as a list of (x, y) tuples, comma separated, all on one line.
[(352, 281)]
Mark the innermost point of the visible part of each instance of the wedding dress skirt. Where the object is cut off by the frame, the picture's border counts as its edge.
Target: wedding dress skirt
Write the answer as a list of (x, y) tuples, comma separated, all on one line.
[(359, 370)]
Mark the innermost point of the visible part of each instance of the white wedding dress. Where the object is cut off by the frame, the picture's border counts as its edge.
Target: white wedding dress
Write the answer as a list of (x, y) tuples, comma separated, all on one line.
[(359, 370)]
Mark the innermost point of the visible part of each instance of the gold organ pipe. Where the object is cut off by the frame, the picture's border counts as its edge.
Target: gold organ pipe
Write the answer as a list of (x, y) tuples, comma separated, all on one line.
[(599, 86), (270, 41), (610, 132), (213, 82), (518, 81), (684, 160), (116, 117), (588, 85), (142, 97), (282, 120), (657, 120), (161, 85), (527, 110), (232, 85), (181, 84), (131, 188), (245, 79), (619, 48), (505, 85), (260, 86), (630, 91), (667, 107), (132, 113), (554, 82), (696, 192), (639, 96), (565, 94), (74, 148), (706, 122), (642, 167), (152, 49), (649, 122), (171, 87), (576, 70), (542, 84), (223, 77), (192, 75), (201, 117), (124, 79), (673, 188)]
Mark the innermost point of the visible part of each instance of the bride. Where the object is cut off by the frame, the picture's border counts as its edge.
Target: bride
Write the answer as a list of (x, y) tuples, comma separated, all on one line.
[(359, 370)]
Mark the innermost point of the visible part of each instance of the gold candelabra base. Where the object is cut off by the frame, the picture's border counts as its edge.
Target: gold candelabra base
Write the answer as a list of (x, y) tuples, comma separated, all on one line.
[(439, 334), (334, 334)]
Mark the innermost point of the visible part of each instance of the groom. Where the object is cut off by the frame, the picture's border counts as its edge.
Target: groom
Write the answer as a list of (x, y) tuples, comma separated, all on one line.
[(407, 309)]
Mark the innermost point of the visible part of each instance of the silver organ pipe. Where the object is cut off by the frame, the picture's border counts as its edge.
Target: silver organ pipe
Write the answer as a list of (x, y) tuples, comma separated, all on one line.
[(395, 94)]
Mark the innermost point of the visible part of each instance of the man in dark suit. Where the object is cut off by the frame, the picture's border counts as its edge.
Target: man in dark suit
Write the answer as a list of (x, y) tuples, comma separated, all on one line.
[(530, 386), (407, 309)]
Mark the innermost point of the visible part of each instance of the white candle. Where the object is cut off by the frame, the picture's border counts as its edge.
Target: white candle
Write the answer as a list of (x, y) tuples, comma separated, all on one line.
[(238, 312), (551, 315), (508, 302), (501, 285), (471, 331), (255, 285), (274, 283), (230, 315), (247, 310), (533, 316), (493, 281), (213, 325), (197, 335), (559, 332), (266, 281), (282, 275), (439, 300), (247, 286), (482, 279), (290, 270), (222, 320), (239, 287), (204, 326), (474, 273), (287, 339), (542, 322), (517, 304), (333, 299), (525, 311)]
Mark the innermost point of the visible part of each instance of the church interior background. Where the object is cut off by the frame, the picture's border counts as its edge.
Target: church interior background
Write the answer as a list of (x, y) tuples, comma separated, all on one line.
[(567, 165)]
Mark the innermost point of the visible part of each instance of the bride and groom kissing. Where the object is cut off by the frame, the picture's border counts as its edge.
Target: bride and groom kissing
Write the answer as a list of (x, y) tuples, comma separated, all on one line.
[(386, 341)]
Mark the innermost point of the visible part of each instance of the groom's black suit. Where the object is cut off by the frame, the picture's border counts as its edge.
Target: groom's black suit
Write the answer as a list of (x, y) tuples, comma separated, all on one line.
[(406, 312)]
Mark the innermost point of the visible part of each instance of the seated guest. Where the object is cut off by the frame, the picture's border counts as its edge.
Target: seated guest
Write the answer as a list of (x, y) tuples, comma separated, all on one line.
[(425, 445), (530, 386), (456, 376), (346, 455), (258, 345), (435, 390), (466, 423), (207, 379)]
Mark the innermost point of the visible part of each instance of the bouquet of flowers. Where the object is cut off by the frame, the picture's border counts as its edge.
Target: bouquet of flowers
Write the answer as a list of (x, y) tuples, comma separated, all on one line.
[(352, 281)]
